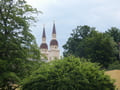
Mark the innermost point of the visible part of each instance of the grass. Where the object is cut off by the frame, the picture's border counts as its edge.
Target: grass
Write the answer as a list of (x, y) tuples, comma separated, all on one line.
[(115, 74)]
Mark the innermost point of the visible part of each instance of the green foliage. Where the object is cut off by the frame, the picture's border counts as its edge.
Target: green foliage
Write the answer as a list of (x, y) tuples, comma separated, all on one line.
[(68, 74), (17, 44), (77, 36), (115, 33), (115, 65), (99, 47)]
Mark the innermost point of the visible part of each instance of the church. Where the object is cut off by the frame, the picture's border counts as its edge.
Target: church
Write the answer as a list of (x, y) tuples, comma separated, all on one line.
[(52, 52)]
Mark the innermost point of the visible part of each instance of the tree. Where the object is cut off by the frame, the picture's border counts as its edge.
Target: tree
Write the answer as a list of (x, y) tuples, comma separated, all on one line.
[(115, 33), (77, 36), (17, 44), (69, 74), (98, 47)]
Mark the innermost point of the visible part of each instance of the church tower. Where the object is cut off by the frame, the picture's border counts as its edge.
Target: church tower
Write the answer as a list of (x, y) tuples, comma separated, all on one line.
[(44, 46), (54, 51)]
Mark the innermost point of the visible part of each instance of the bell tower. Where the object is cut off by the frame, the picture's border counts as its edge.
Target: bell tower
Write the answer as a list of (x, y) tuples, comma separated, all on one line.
[(44, 46), (53, 52)]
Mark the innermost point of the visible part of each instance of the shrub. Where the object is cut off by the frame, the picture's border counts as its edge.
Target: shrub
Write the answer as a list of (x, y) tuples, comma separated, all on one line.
[(68, 74)]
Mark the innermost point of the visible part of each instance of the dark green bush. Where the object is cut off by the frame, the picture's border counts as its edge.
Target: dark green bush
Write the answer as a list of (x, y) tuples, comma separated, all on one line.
[(68, 74)]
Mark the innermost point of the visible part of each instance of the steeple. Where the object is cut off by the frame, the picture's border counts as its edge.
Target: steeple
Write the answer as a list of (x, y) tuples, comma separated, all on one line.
[(54, 52), (54, 31), (54, 42), (43, 44), (43, 35)]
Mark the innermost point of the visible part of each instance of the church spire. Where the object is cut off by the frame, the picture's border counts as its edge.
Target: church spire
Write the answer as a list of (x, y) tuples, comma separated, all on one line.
[(43, 44), (54, 31), (44, 35), (54, 42)]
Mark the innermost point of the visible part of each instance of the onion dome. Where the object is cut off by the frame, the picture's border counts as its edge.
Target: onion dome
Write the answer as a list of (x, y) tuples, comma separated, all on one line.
[(43, 46), (54, 42)]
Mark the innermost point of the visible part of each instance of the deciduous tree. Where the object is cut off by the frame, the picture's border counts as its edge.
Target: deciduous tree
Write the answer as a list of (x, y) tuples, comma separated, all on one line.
[(99, 47), (17, 44)]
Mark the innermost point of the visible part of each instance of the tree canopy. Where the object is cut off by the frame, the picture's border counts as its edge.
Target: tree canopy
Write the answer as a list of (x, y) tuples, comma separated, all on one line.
[(17, 44), (68, 74), (115, 33), (77, 36), (97, 46)]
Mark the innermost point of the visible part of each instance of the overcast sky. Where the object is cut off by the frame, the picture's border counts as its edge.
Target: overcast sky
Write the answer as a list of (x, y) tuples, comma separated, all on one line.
[(68, 14)]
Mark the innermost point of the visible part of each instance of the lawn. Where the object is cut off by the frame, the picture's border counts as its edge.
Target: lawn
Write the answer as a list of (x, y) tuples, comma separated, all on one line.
[(115, 74)]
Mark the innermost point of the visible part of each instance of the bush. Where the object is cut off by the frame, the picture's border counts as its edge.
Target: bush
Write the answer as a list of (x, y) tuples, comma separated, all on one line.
[(68, 74)]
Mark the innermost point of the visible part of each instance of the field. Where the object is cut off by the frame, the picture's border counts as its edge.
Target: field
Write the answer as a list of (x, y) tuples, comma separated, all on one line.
[(115, 74)]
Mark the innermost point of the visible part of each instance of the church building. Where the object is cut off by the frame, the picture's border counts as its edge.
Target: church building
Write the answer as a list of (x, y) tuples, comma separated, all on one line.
[(51, 53)]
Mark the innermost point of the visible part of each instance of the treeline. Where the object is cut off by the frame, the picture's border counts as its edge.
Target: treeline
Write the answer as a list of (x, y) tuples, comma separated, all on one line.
[(101, 47)]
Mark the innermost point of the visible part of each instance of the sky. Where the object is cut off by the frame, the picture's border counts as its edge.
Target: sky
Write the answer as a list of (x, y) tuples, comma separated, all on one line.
[(68, 14)]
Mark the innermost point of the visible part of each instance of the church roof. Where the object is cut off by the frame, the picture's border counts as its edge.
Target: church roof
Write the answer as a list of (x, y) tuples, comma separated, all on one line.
[(54, 42), (43, 46)]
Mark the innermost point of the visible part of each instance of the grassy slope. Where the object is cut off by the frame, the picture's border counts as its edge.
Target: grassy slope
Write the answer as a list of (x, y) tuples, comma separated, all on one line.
[(115, 74)]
